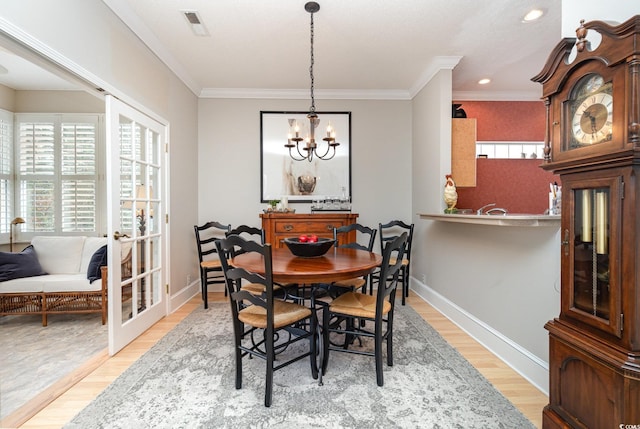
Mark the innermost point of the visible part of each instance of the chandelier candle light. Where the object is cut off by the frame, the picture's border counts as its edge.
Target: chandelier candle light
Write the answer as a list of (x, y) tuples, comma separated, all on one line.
[(310, 147)]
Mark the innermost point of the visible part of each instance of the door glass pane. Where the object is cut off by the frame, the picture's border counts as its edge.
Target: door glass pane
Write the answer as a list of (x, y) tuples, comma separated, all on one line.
[(591, 252)]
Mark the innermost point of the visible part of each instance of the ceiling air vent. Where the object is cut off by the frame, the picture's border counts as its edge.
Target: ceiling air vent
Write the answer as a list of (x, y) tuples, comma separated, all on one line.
[(195, 23)]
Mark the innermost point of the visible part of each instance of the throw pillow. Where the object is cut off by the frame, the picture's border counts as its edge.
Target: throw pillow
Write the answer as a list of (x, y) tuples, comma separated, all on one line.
[(18, 265), (98, 259)]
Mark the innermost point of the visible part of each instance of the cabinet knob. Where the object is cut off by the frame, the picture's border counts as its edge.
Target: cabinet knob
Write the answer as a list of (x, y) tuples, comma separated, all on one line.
[(288, 227), (330, 227)]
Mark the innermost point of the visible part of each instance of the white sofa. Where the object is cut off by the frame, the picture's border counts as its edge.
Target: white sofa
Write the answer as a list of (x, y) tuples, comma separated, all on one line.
[(66, 287)]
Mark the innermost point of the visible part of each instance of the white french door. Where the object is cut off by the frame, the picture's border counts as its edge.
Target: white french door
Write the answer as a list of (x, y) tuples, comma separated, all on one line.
[(136, 222)]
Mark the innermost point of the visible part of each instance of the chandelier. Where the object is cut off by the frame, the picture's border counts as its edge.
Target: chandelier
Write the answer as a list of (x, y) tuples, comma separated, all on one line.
[(309, 148)]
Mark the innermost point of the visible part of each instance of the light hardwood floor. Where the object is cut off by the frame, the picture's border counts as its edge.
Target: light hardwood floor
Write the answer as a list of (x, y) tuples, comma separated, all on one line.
[(521, 393)]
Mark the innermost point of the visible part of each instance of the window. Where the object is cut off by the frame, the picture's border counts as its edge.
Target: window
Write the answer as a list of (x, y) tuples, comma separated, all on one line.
[(6, 170), (508, 149), (57, 173)]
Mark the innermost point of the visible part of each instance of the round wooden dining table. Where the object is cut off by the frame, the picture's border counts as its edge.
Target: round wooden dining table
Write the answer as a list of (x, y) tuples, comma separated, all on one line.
[(335, 265)]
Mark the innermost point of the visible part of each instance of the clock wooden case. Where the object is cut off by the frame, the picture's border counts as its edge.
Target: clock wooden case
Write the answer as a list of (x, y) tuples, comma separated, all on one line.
[(593, 142)]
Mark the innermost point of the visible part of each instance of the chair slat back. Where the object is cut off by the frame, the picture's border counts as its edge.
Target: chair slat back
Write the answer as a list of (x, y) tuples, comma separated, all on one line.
[(391, 230), (390, 271), (206, 235), (363, 234), (234, 277), (248, 232)]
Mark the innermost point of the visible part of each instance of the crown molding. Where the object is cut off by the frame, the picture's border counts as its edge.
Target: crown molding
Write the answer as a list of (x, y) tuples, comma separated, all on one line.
[(497, 95), (303, 94), (437, 64), (123, 11)]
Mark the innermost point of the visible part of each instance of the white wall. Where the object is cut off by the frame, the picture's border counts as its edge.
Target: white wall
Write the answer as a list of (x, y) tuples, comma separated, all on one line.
[(57, 102), (7, 98), (500, 284), (87, 34), (229, 158)]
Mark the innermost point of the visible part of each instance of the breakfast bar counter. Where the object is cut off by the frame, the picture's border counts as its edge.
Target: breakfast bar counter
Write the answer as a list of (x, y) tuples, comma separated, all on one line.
[(528, 220)]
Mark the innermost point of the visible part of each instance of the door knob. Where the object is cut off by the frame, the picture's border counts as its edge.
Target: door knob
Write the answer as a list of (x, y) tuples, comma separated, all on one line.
[(117, 235)]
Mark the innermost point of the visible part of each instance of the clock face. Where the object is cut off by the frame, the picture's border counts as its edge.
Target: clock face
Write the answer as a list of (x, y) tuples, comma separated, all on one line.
[(593, 119), (592, 112)]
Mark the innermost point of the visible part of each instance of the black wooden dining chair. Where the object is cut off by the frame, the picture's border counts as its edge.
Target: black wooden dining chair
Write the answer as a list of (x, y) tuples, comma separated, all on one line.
[(388, 232), (379, 309), (254, 314), (255, 234), (249, 232), (365, 238), (210, 266)]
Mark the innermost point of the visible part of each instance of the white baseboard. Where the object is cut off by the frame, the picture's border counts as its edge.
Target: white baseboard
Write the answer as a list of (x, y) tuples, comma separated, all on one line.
[(180, 298), (531, 367)]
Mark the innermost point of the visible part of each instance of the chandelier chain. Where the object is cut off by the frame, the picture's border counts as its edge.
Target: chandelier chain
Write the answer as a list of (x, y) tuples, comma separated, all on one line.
[(313, 102), (307, 147)]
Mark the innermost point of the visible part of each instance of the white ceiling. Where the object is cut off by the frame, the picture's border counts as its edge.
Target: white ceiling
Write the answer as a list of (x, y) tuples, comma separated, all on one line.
[(363, 48)]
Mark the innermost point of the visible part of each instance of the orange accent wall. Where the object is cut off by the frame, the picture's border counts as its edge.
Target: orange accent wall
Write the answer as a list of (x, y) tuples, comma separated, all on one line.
[(518, 185), (507, 120)]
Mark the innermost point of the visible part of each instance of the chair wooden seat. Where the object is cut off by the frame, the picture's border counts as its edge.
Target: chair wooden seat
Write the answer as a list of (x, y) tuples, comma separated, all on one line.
[(355, 283), (393, 260), (284, 314), (213, 263), (257, 289), (358, 305)]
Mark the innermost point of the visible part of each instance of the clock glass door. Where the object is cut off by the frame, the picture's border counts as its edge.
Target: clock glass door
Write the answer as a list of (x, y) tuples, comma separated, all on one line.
[(593, 297), (591, 253)]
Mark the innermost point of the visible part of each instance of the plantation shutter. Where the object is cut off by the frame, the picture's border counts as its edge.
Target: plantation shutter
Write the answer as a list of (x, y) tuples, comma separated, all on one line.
[(58, 173)]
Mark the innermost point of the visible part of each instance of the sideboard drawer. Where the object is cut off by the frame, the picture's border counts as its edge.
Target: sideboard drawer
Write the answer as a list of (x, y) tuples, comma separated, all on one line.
[(307, 227), (278, 226)]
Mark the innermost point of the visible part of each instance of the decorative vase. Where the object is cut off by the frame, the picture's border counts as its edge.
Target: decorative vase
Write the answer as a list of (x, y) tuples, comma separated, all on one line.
[(450, 194), (306, 184)]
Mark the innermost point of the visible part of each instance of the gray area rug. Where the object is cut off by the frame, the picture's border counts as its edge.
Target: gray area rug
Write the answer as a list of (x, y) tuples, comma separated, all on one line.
[(33, 357), (187, 380)]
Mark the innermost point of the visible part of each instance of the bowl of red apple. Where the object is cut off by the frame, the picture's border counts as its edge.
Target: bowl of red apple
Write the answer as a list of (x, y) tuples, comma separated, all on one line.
[(309, 245)]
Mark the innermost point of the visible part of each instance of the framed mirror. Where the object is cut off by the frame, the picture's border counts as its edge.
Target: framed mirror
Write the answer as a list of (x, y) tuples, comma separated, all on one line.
[(304, 181)]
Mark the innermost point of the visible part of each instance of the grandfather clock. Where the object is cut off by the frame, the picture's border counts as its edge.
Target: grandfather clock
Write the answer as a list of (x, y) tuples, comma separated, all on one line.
[(592, 141)]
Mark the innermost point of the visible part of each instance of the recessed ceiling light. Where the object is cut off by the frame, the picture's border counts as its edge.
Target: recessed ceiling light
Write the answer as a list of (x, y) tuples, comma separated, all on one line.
[(484, 81), (533, 15), (193, 18)]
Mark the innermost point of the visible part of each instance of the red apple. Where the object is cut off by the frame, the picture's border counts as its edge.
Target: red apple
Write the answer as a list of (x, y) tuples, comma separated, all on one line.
[(303, 239), (313, 239)]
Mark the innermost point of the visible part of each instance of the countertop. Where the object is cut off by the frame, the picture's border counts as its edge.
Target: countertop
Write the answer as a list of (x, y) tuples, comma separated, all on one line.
[(515, 219)]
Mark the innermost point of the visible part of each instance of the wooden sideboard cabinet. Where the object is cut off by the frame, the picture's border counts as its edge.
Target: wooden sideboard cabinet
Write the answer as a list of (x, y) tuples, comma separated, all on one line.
[(278, 226)]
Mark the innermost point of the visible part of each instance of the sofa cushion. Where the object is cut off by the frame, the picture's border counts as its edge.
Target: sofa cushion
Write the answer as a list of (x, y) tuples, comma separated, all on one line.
[(19, 265), (23, 285), (98, 259), (69, 283), (91, 245), (59, 255)]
